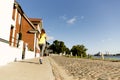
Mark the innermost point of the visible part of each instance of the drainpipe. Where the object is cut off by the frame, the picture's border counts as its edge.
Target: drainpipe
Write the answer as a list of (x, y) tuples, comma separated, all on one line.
[(35, 44)]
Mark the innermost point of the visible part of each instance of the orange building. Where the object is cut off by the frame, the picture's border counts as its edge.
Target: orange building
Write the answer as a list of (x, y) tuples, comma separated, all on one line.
[(25, 28)]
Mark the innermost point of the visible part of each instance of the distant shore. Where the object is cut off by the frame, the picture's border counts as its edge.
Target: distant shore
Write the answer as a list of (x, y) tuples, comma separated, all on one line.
[(108, 57), (87, 69)]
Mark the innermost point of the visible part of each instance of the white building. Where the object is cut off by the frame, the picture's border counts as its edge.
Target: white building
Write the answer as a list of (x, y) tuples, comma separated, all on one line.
[(6, 8), (8, 26)]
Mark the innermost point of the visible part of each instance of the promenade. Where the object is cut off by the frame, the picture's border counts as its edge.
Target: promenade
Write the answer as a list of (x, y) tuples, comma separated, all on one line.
[(27, 70), (61, 68)]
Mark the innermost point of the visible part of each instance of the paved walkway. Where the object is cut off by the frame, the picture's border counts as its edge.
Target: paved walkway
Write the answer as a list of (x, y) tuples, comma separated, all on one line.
[(27, 70)]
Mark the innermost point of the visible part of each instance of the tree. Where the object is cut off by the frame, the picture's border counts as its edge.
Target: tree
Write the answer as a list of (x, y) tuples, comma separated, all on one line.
[(58, 47), (54, 46), (79, 50), (67, 51)]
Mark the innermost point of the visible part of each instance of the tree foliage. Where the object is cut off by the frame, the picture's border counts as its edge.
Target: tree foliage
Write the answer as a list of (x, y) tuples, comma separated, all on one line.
[(59, 47), (79, 50)]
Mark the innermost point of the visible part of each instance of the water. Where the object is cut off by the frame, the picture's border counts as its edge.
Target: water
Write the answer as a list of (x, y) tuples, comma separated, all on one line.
[(108, 57)]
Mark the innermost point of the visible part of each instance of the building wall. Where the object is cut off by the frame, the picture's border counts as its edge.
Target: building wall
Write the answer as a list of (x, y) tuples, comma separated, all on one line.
[(26, 36), (20, 30), (10, 26), (12, 22), (9, 54), (17, 28), (6, 7), (12, 37)]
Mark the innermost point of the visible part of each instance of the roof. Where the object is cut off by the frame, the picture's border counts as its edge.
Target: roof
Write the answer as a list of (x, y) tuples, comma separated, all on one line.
[(16, 4), (35, 19)]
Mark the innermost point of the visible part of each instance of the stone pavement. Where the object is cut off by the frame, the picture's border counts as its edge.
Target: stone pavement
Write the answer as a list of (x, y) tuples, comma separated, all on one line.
[(29, 69)]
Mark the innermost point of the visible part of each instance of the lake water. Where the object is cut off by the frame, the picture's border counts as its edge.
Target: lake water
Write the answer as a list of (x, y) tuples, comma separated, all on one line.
[(108, 57)]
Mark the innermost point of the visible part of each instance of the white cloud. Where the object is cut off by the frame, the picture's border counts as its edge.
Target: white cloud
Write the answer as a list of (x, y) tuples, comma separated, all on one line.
[(63, 17), (72, 20), (48, 31), (82, 17), (50, 38)]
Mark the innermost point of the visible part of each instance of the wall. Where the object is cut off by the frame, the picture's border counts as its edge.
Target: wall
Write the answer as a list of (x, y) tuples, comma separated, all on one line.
[(9, 54), (6, 7), (26, 36), (28, 54)]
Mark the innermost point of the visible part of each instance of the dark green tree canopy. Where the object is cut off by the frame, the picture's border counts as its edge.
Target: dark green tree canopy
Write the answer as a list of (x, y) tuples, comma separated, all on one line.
[(58, 47), (79, 50)]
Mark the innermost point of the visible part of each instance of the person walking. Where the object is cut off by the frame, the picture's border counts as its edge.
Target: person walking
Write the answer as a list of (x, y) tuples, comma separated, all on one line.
[(42, 43)]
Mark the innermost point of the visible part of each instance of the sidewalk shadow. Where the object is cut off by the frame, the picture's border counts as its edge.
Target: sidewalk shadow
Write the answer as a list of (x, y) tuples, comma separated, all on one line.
[(30, 62)]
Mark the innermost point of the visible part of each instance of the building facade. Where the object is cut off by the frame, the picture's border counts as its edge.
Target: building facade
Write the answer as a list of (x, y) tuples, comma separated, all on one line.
[(23, 27), (15, 25), (6, 21)]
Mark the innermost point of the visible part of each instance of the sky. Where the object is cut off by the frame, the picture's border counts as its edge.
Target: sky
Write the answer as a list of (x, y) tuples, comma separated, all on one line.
[(92, 23)]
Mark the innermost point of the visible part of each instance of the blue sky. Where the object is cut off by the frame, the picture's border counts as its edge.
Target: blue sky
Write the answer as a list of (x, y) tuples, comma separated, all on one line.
[(93, 23)]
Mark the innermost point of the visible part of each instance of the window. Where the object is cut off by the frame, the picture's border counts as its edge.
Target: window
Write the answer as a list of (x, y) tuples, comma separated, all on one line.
[(11, 36), (13, 14), (19, 19)]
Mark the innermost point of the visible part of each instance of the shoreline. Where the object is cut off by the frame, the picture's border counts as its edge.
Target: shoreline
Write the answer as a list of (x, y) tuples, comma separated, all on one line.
[(116, 58)]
